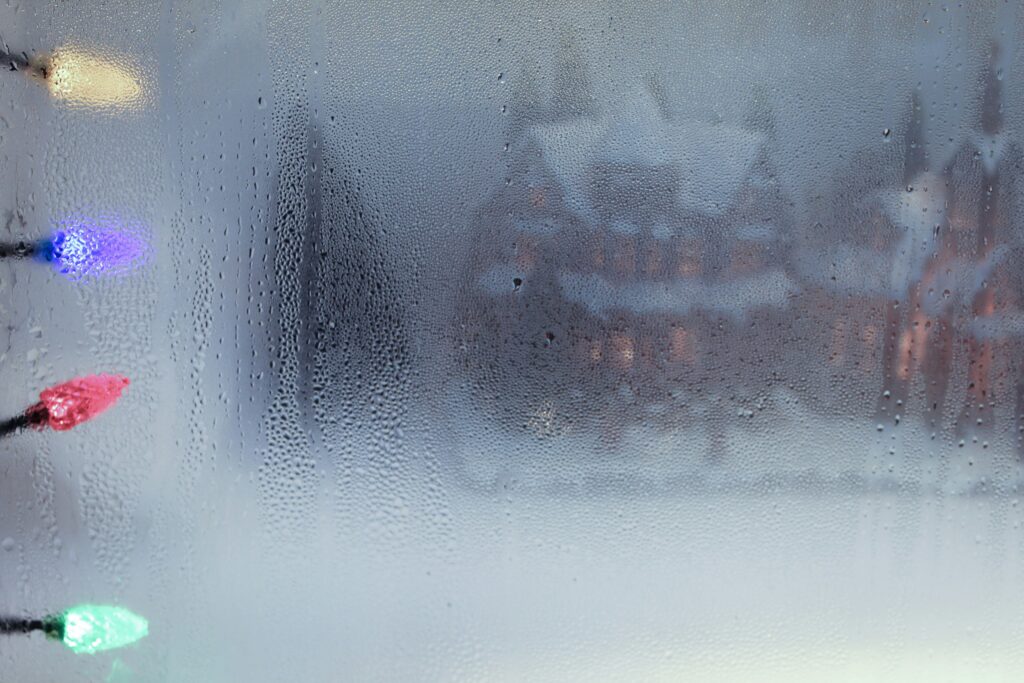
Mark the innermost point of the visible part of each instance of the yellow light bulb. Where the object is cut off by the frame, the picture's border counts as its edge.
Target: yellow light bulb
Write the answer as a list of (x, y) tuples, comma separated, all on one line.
[(87, 79)]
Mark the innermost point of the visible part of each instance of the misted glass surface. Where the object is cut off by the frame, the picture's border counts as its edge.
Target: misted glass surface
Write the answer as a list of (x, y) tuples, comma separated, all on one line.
[(511, 342)]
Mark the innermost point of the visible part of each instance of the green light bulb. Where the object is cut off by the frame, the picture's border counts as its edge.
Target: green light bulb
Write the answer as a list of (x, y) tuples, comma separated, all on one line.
[(93, 628)]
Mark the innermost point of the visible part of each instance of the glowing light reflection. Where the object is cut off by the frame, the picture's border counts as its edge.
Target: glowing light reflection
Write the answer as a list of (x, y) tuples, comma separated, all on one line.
[(93, 628), (85, 78), (83, 248), (72, 403)]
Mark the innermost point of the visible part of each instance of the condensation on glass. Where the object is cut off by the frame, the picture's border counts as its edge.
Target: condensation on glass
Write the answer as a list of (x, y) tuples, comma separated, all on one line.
[(541, 342)]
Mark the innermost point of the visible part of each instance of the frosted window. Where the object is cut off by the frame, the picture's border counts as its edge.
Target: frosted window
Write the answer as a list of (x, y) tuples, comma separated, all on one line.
[(547, 342)]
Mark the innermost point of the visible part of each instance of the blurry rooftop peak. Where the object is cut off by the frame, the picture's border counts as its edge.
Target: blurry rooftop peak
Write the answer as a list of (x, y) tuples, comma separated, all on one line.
[(992, 98), (638, 132), (712, 161), (915, 157), (760, 115), (527, 93), (655, 85), (573, 94), (987, 140)]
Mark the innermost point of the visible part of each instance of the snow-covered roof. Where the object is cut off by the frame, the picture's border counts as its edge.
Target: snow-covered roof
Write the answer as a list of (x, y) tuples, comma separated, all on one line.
[(861, 271), (960, 280), (756, 232), (991, 149), (916, 212), (546, 225), (712, 160), (848, 270), (735, 297)]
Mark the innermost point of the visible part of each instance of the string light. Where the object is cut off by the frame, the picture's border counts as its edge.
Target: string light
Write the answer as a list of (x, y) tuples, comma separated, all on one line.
[(82, 247), (84, 78), (67, 405), (87, 79), (85, 629)]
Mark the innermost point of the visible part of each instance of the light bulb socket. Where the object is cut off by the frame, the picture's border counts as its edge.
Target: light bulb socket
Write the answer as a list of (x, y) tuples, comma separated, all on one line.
[(48, 250), (53, 626)]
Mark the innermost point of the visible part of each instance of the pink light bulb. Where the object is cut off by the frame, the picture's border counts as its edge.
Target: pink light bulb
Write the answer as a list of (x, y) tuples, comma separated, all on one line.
[(71, 403)]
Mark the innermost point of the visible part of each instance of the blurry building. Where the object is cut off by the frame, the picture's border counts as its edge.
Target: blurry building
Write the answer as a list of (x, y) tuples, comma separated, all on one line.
[(984, 212), (915, 278), (631, 266)]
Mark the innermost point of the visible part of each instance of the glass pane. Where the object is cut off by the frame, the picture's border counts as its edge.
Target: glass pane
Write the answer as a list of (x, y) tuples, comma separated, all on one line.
[(551, 342)]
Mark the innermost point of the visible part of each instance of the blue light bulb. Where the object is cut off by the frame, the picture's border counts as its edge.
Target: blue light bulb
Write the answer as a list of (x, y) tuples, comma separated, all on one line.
[(83, 248)]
